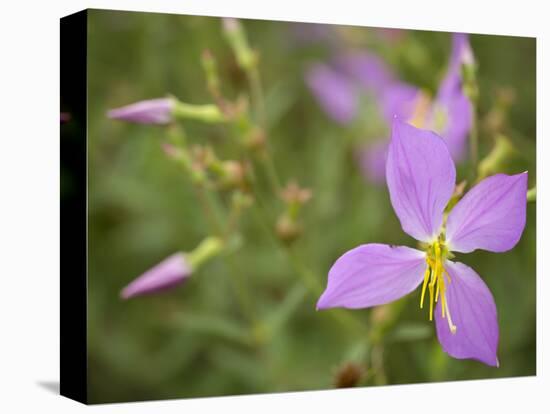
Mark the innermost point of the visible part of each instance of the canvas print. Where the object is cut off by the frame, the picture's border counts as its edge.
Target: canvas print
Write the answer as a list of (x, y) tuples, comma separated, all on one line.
[(283, 206)]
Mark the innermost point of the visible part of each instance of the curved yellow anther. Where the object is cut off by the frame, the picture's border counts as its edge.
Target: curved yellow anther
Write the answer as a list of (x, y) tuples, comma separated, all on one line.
[(434, 279)]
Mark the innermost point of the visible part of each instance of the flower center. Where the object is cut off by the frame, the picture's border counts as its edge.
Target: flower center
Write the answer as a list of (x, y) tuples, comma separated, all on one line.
[(440, 119), (420, 110), (435, 279)]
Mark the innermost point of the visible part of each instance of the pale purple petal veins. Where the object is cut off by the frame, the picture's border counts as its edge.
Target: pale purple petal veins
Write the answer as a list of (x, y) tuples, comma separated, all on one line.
[(334, 92), (473, 312), (420, 174), (372, 162), (372, 274), (169, 273), (491, 216), (152, 111)]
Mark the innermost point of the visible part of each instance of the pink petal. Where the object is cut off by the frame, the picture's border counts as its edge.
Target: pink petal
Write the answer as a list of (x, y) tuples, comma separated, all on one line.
[(151, 111), (457, 113), (372, 161), (372, 274), (167, 274), (333, 91), (491, 216), (473, 312), (421, 178)]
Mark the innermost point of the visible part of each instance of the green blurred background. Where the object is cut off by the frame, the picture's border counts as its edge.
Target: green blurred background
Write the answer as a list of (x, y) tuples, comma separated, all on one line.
[(195, 341)]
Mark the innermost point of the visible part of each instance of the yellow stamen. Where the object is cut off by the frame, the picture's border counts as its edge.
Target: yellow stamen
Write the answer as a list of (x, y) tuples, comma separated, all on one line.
[(431, 301), (434, 279), (443, 297), (426, 277)]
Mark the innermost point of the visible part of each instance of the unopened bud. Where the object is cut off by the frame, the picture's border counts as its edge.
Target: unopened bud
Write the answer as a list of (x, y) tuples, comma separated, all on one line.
[(233, 174), (295, 197), (203, 156), (348, 375), (292, 193), (152, 111), (287, 229), (169, 273), (256, 139)]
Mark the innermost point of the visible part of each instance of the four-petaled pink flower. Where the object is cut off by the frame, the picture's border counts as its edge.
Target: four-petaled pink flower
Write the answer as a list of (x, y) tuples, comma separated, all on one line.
[(420, 175)]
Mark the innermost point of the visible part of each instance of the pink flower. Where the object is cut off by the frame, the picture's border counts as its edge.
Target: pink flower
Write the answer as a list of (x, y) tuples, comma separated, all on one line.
[(420, 174)]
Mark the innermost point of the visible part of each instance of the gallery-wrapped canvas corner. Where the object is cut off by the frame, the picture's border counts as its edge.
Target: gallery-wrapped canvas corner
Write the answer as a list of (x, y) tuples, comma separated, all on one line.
[(252, 206)]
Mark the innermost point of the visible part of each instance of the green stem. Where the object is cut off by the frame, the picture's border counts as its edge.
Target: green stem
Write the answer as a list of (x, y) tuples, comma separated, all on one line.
[(269, 166), (474, 141), (243, 295), (532, 194), (209, 113), (256, 89), (211, 217), (206, 250), (308, 278), (377, 362)]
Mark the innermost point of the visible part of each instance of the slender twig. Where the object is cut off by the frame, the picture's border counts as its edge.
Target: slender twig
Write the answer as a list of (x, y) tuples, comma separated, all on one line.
[(474, 140), (256, 89)]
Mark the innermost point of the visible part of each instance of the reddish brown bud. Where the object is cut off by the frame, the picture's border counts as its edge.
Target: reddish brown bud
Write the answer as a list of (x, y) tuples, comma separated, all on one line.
[(348, 375), (287, 229)]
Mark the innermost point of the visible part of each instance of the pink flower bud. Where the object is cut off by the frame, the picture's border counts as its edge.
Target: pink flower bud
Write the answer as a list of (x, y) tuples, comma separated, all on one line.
[(169, 273), (152, 111)]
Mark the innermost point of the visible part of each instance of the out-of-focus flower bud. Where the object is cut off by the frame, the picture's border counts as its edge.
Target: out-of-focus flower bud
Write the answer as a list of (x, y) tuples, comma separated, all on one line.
[(255, 139), (287, 229), (174, 270), (348, 375), (152, 111), (295, 197), (233, 174), (293, 193), (167, 274)]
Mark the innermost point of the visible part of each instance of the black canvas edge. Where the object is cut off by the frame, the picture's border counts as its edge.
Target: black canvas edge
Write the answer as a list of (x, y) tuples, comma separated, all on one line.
[(73, 207)]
